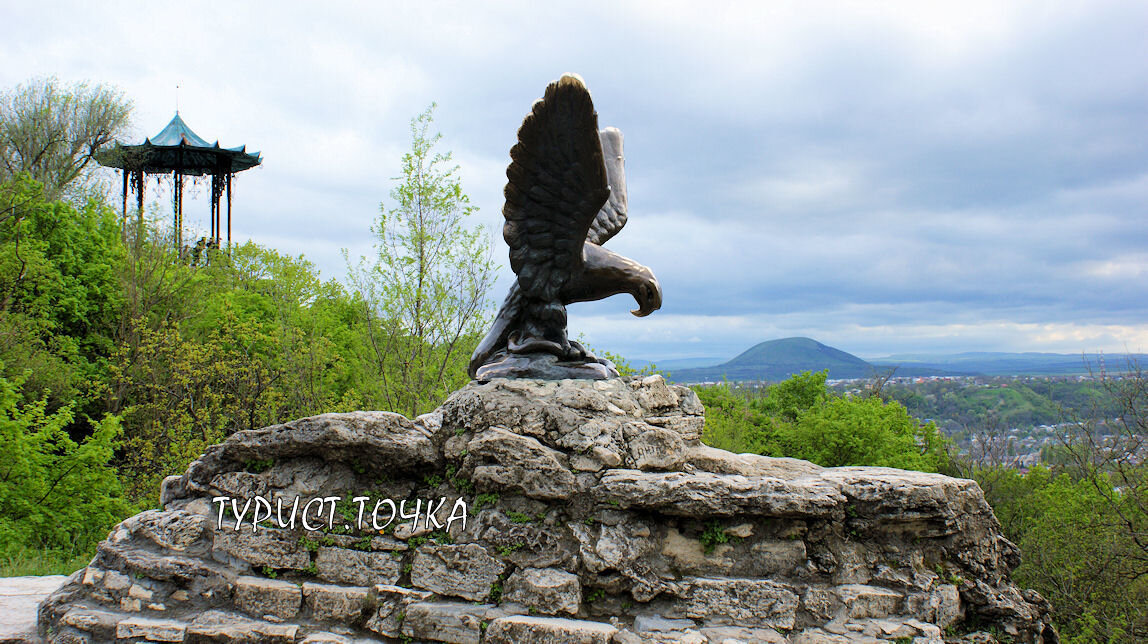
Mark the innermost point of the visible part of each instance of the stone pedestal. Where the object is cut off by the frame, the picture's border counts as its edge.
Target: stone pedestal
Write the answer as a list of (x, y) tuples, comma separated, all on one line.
[(592, 514)]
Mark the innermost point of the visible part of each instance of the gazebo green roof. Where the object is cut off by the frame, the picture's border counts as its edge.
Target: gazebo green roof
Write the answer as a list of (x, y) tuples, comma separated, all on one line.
[(178, 149)]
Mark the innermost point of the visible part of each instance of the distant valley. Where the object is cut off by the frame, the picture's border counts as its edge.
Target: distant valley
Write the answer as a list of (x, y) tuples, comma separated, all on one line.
[(776, 360)]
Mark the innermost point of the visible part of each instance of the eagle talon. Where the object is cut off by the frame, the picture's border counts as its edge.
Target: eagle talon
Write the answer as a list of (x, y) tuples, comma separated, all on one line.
[(534, 345), (578, 353)]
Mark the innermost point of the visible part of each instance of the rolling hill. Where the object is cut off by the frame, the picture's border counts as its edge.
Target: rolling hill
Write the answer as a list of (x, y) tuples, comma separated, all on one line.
[(779, 359)]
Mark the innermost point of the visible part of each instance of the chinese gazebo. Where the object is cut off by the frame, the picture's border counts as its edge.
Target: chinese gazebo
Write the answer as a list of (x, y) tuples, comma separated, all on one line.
[(178, 151)]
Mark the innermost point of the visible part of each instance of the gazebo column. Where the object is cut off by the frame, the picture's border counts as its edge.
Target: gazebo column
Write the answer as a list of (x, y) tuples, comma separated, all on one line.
[(124, 212), (177, 208), (139, 177), (214, 208), (217, 193), (229, 212)]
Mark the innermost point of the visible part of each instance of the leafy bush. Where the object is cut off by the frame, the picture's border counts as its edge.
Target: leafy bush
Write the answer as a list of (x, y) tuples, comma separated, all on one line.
[(56, 495)]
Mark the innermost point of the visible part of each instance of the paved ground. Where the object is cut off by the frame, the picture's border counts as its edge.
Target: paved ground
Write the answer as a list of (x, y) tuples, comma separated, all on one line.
[(18, 599)]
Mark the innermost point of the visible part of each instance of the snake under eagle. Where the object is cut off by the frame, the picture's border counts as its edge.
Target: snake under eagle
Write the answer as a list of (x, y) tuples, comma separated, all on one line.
[(565, 198)]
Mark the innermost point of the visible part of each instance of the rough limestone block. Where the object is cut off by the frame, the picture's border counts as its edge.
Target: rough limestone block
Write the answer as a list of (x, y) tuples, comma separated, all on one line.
[(933, 505), (172, 488), (744, 602), (896, 628), (584, 463), (618, 546), (653, 393), (219, 626), (688, 401), (465, 571), (741, 634), (174, 530), (343, 566), (509, 461), (388, 441), (65, 636), (265, 547), (578, 398), (818, 636), (719, 461), (688, 556), (659, 624), (626, 636), (657, 449), (948, 605), (546, 590), (93, 576), (258, 597), (152, 630), (238, 485), (520, 628), (392, 602), (941, 606), (702, 494), (688, 428), (139, 592), (451, 622), (101, 624), (531, 545), (819, 603), (601, 433), (116, 580), (775, 557), (862, 601), (925, 629), (326, 638), (335, 603), (674, 637)]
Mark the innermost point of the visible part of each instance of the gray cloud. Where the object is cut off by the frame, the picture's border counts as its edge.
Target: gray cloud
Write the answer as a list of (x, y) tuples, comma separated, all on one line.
[(886, 178)]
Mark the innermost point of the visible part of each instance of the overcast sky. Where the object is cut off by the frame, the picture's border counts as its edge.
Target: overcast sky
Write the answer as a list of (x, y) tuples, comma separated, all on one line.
[(883, 177)]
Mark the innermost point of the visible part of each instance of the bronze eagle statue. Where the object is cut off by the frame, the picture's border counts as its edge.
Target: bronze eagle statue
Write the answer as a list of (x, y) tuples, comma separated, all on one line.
[(565, 198)]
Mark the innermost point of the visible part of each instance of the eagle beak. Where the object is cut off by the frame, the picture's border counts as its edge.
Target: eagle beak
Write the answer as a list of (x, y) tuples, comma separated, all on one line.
[(649, 298)]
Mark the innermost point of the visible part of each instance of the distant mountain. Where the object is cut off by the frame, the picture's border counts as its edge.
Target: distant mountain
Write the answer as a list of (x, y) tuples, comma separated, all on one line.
[(776, 360)]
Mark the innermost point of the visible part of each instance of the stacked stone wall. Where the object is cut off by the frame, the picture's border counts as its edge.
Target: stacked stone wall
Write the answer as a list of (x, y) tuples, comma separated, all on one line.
[(593, 513)]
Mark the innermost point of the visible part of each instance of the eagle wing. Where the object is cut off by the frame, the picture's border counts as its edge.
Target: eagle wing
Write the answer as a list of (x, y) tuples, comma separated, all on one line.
[(612, 217), (557, 183)]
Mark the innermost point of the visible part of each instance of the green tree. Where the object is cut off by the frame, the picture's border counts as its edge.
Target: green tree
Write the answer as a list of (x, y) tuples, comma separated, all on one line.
[(801, 418), (51, 132), (424, 295), (1076, 551), (59, 293), (1095, 528), (864, 431), (732, 424), (181, 394), (56, 494), (316, 327), (788, 399)]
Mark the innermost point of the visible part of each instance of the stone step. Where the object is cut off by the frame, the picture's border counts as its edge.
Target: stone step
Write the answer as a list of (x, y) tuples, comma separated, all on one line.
[(18, 599)]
